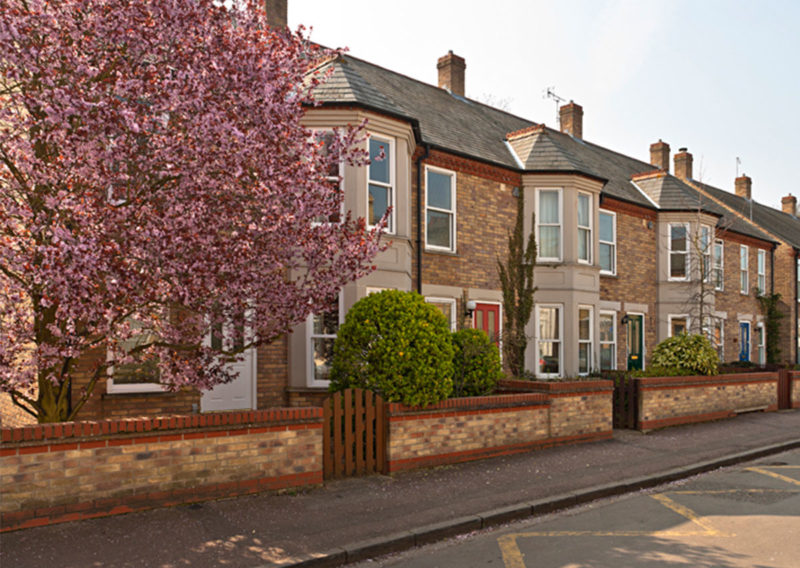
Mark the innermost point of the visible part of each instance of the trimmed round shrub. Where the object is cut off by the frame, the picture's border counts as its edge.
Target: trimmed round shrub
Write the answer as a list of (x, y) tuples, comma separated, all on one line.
[(689, 354), (476, 363), (397, 345)]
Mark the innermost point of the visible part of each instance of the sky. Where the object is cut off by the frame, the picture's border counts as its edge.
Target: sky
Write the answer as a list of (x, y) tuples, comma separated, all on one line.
[(718, 77)]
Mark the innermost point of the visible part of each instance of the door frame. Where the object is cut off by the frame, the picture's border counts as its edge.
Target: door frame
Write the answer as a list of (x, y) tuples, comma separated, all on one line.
[(252, 364), (499, 321)]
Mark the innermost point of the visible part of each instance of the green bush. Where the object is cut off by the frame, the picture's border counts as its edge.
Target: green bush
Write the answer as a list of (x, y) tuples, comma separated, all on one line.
[(397, 345), (476, 363), (686, 354)]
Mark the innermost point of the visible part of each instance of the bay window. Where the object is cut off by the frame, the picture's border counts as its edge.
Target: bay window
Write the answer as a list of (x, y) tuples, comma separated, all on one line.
[(584, 228), (548, 224), (381, 182), (678, 251)]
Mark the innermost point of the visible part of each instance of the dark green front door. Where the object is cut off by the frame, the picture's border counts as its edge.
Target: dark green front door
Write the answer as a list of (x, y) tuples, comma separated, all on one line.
[(635, 343)]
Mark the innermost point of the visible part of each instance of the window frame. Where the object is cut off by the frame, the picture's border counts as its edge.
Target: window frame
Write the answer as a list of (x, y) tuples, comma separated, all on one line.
[(718, 271), (453, 212), (612, 244), (761, 346), (613, 343), (559, 340), (685, 253), (311, 380), (715, 321), (128, 388), (588, 342), (453, 307), (673, 317), (560, 193), (761, 271), (705, 253), (586, 228), (339, 179), (744, 271), (391, 186)]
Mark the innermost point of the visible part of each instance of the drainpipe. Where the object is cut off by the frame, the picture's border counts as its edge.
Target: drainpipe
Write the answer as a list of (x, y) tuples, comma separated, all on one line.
[(419, 215)]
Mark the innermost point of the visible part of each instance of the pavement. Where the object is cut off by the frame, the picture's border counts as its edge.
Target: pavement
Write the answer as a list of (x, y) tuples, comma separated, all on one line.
[(354, 519)]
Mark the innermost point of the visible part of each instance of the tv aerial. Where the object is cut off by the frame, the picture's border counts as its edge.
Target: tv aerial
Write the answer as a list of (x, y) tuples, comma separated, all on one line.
[(550, 93)]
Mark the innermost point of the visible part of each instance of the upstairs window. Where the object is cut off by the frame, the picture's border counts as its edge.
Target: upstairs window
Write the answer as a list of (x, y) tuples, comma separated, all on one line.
[(678, 251), (440, 208), (718, 272), (381, 182), (333, 176), (584, 227), (548, 223), (608, 242), (744, 271), (704, 250), (762, 271)]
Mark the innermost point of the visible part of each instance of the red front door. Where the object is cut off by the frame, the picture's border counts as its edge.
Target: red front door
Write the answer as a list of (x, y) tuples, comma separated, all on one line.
[(487, 318)]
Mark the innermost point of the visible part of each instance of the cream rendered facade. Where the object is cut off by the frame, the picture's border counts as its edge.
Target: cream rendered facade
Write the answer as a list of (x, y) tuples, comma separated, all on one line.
[(394, 265), (569, 284)]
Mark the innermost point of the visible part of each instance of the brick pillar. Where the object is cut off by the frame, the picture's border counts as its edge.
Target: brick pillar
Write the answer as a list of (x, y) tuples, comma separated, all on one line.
[(659, 155), (683, 164), (276, 12), (451, 73), (789, 204), (571, 116), (743, 186)]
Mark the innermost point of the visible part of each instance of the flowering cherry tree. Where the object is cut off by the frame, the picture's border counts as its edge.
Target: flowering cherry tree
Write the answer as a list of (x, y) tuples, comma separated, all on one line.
[(159, 192)]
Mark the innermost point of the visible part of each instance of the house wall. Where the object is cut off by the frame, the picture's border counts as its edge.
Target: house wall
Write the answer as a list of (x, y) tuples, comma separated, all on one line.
[(786, 285), (668, 401), (635, 287), (64, 472), (731, 304)]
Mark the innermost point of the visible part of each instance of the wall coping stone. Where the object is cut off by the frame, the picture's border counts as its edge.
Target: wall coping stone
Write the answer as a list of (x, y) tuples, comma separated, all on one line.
[(154, 424), (558, 386), (473, 403), (706, 380)]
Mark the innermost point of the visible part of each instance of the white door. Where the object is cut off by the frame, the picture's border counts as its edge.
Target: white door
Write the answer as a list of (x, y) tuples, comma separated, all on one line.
[(240, 393)]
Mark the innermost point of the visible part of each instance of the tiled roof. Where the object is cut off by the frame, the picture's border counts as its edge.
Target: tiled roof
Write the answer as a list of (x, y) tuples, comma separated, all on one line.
[(780, 224), (473, 129)]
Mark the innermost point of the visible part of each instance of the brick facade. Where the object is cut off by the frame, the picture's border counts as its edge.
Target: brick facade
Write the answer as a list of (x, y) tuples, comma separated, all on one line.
[(668, 401), (64, 472)]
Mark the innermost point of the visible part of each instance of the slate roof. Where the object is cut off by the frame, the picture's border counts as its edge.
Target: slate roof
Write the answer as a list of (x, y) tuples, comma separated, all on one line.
[(473, 129), (783, 225)]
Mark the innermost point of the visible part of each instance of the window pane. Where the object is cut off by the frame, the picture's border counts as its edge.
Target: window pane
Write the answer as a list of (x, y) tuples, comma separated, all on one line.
[(606, 328), (583, 210), (678, 237), (606, 257), (584, 350), (446, 308), (549, 242), (379, 198), (549, 357), (548, 323), (584, 328), (583, 244), (379, 170), (323, 355), (327, 323), (438, 227), (548, 203), (439, 194), (606, 227), (678, 326), (606, 357), (677, 265)]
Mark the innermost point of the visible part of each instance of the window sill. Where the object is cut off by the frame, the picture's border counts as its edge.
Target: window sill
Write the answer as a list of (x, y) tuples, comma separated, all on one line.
[(608, 275), (441, 251)]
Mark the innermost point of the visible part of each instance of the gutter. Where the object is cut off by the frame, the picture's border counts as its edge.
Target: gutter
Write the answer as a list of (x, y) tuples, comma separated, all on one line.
[(419, 215)]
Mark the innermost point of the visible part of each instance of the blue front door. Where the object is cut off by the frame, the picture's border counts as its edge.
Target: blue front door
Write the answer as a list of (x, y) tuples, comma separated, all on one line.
[(744, 341)]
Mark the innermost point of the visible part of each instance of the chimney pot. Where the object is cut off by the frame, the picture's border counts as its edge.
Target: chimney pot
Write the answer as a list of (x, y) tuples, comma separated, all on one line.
[(789, 204), (743, 186), (276, 12), (683, 164), (571, 118), (659, 155), (451, 73)]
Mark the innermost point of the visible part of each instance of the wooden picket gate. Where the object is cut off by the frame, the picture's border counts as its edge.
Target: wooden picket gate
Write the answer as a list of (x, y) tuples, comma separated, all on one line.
[(354, 433)]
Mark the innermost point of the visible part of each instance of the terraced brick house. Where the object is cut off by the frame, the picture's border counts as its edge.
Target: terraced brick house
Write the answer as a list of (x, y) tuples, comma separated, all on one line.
[(629, 252)]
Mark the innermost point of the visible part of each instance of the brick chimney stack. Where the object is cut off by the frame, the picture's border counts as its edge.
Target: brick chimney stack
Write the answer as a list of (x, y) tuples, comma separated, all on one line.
[(276, 12), (659, 155), (743, 186), (683, 164), (451, 73), (571, 116), (789, 204)]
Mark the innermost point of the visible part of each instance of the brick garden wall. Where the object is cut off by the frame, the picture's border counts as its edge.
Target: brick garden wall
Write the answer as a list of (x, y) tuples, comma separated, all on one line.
[(63, 472), (668, 401), (465, 429)]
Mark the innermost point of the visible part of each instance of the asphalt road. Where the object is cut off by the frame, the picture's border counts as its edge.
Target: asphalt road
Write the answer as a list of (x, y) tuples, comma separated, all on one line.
[(743, 516)]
